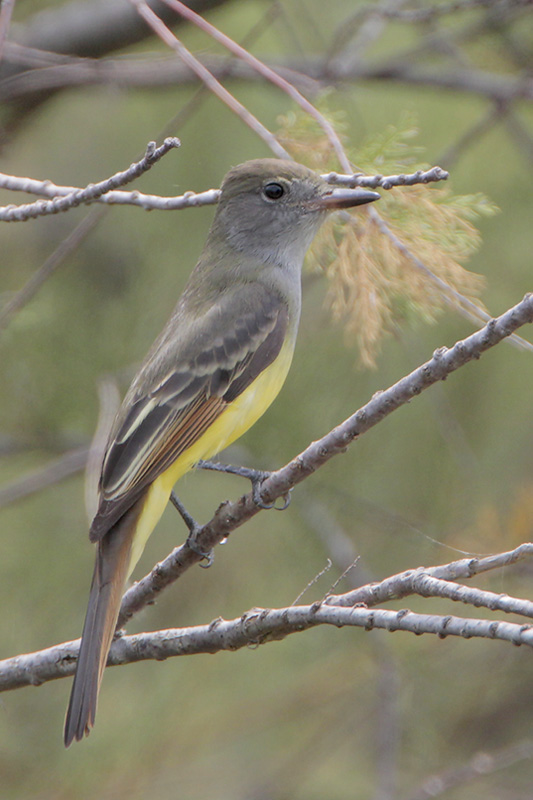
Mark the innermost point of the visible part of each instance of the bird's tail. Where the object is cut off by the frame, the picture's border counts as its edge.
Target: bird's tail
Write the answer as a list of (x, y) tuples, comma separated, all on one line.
[(110, 573)]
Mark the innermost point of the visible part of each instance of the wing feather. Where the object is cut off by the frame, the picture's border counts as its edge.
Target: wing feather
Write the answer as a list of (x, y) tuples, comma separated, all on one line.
[(166, 418)]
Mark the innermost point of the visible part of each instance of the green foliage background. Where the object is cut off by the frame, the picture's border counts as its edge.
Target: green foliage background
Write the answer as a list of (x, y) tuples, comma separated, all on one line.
[(450, 473)]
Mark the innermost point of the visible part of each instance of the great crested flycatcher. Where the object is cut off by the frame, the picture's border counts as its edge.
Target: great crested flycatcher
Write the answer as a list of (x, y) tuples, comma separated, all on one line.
[(213, 371)]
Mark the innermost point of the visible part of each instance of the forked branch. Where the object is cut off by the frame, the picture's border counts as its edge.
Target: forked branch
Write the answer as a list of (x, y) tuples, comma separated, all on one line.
[(261, 625)]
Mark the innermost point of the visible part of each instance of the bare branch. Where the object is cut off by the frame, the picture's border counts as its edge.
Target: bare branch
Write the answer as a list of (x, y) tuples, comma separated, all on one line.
[(427, 586), (66, 197), (230, 516), (68, 464), (436, 582), (51, 72), (91, 192), (269, 74), (93, 27), (423, 14), (480, 764), (309, 74), (6, 10), (152, 202), (432, 175), (166, 35), (62, 251), (256, 626), (260, 625), (500, 88)]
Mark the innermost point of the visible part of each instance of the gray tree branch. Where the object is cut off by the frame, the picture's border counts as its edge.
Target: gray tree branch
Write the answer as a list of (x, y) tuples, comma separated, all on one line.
[(67, 197), (93, 28), (259, 626), (93, 191), (309, 74)]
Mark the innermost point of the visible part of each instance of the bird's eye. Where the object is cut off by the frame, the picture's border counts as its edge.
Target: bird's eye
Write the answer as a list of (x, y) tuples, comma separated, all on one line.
[(274, 191)]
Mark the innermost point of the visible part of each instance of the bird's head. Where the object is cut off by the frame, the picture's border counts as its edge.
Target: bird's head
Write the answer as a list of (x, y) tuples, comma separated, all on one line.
[(271, 209)]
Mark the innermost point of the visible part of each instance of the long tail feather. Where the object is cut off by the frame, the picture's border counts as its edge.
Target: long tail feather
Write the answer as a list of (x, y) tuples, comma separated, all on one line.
[(110, 573)]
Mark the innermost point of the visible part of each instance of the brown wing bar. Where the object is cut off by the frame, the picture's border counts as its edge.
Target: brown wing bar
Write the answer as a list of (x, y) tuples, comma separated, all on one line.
[(163, 423)]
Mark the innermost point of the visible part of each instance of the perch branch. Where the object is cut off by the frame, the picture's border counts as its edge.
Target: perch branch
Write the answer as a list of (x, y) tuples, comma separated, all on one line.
[(230, 516), (258, 626)]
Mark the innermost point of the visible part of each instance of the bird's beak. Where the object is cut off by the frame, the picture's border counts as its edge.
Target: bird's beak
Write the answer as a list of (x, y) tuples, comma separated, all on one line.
[(347, 198)]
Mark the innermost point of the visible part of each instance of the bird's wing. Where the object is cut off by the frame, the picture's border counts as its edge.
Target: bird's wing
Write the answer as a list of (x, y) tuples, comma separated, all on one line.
[(163, 422)]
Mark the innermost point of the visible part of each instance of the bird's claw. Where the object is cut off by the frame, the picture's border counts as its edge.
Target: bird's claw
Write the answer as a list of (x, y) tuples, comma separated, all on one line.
[(257, 483), (194, 528), (255, 476), (208, 555)]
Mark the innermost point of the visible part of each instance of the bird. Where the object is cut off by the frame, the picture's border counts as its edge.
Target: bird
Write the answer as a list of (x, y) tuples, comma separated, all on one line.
[(215, 368)]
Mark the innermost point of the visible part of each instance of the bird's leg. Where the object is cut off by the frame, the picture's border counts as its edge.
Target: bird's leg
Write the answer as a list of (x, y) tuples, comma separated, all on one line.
[(194, 528), (255, 476)]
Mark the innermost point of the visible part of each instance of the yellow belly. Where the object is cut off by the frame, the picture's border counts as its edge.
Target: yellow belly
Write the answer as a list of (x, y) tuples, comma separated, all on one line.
[(240, 415)]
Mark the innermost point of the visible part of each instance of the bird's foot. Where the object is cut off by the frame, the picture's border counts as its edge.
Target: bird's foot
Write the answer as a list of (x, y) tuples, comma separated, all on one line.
[(255, 476), (194, 528)]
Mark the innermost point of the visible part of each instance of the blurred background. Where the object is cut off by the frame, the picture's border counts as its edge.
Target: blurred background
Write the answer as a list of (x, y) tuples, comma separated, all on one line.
[(328, 713)]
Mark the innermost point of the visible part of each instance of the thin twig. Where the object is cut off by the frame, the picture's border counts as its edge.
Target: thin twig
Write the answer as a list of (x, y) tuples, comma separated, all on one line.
[(481, 764), (166, 35), (6, 10), (91, 192), (314, 580), (62, 251), (310, 74), (145, 71), (387, 11), (387, 182), (268, 73), (411, 581), (151, 202), (202, 93), (63, 467), (451, 296)]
